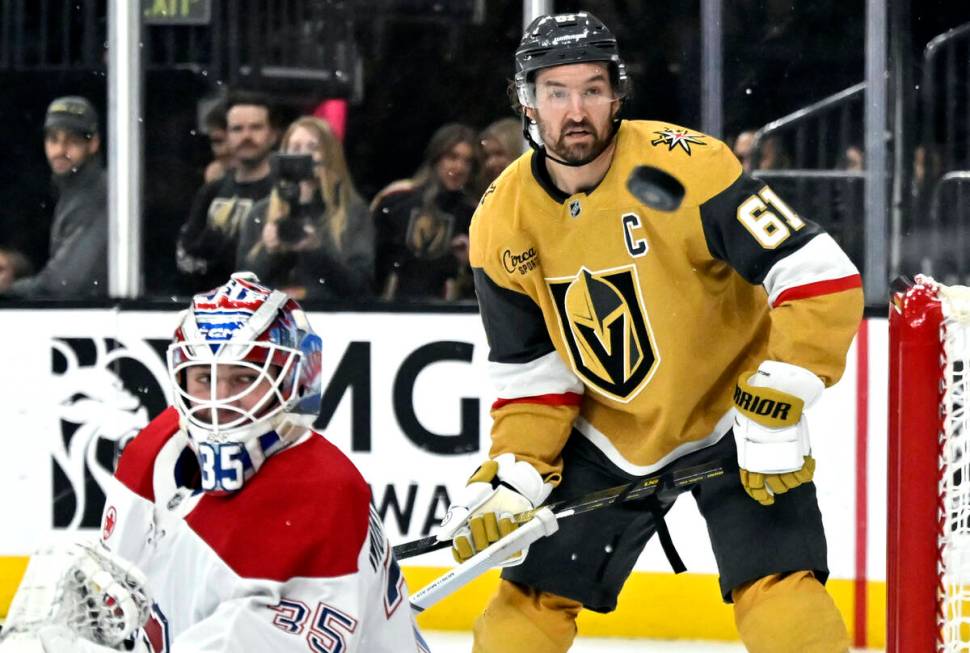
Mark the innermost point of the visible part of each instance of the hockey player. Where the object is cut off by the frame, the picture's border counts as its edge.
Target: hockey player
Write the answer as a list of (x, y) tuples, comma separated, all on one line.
[(625, 341), (254, 532)]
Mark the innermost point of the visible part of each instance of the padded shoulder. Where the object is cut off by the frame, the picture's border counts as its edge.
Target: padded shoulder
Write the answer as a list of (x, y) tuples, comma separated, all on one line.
[(495, 224), (137, 463), (703, 164), (304, 514)]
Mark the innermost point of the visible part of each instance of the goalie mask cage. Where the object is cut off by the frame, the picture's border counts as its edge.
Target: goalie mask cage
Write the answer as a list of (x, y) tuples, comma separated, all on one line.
[(928, 538)]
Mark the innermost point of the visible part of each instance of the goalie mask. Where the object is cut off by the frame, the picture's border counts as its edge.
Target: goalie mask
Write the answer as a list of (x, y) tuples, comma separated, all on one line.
[(245, 370), (559, 40)]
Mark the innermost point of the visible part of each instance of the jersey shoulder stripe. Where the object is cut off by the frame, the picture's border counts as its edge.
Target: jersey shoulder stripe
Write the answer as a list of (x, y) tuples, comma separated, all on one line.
[(546, 375), (818, 289), (817, 268), (137, 462), (561, 399), (305, 514)]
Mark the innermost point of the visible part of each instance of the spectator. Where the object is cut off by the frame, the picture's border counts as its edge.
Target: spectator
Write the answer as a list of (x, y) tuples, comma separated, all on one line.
[(772, 155), (422, 230), (927, 169), (848, 202), (77, 265), (13, 265), (502, 143), (743, 147), (207, 243), (314, 239), (853, 158), (215, 129)]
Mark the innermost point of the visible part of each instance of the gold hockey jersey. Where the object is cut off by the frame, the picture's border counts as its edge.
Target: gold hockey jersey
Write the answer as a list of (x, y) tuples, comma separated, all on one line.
[(632, 325)]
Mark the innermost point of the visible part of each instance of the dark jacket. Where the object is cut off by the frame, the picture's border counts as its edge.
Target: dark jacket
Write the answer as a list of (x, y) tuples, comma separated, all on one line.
[(415, 243), (206, 249), (78, 263)]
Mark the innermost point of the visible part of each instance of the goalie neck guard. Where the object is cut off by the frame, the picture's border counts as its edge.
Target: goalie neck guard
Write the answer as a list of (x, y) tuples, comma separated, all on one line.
[(252, 364)]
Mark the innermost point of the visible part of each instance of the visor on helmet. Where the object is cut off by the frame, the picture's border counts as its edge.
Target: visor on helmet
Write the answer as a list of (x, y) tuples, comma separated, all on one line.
[(537, 95)]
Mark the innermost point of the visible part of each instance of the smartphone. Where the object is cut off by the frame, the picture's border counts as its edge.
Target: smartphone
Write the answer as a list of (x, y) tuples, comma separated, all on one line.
[(291, 167)]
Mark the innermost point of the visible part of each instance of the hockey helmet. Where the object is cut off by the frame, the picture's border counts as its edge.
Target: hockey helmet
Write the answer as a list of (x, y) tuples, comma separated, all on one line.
[(560, 39), (264, 335)]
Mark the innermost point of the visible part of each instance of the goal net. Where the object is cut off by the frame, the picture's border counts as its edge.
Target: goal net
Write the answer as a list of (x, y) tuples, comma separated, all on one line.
[(928, 545)]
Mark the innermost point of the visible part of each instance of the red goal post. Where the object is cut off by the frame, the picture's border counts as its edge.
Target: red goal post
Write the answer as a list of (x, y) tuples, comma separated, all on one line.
[(928, 525)]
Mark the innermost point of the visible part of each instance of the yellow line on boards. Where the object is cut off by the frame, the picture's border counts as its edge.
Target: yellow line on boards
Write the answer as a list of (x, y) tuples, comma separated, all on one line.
[(652, 605), (11, 571)]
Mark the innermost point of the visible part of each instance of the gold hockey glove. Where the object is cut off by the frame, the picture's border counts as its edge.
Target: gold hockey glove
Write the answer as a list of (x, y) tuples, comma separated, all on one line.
[(770, 429), (483, 511)]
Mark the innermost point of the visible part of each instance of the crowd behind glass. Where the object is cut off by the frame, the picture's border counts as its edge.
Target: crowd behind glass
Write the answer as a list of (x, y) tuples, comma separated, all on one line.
[(278, 200)]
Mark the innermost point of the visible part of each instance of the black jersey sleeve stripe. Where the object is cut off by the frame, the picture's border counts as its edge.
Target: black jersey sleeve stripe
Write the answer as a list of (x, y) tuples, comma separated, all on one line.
[(514, 324), (739, 232)]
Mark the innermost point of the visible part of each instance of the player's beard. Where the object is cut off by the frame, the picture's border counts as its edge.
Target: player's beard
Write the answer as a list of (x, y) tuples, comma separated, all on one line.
[(577, 152)]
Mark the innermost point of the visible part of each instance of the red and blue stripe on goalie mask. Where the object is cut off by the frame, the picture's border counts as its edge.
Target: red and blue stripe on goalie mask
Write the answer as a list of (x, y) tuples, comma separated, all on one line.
[(227, 311)]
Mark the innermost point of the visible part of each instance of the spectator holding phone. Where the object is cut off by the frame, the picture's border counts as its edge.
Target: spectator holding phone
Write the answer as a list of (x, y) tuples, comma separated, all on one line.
[(312, 237)]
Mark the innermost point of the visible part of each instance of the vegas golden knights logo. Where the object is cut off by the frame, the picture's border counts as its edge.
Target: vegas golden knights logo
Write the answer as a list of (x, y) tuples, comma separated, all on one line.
[(606, 329)]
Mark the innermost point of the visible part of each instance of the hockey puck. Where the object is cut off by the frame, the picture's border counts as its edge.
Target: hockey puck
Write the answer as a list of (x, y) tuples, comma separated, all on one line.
[(655, 188)]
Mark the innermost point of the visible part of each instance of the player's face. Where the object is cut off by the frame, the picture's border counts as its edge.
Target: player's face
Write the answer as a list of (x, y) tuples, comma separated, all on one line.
[(574, 109), (250, 135), (66, 150), (454, 168), (245, 385)]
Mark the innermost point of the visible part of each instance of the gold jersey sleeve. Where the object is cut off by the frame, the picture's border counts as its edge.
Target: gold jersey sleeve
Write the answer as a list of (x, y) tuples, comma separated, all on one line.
[(629, 326)]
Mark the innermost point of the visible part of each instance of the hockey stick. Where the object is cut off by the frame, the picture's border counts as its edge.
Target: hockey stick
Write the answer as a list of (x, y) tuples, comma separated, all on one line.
[(542, 522), (632, 491)]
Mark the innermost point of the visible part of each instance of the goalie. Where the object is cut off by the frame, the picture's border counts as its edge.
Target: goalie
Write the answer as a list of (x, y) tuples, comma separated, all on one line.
[(252, 532)]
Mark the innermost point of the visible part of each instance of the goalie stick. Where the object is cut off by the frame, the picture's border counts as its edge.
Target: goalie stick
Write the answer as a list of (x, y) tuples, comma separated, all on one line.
[(632, 491)]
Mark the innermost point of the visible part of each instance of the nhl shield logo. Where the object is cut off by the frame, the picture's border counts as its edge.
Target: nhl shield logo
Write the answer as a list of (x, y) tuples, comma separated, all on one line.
[(606, 330), (575, 208)]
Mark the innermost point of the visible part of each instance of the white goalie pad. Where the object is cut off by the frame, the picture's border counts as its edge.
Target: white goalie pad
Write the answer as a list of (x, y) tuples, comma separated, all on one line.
[(83, 589)]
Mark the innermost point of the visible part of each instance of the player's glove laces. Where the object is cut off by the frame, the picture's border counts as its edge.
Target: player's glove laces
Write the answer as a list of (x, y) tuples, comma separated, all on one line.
[(483, 512), (770, 429)]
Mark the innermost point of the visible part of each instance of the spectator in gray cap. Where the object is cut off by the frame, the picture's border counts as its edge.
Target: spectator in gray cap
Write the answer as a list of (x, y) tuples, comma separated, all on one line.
[(77, 266)]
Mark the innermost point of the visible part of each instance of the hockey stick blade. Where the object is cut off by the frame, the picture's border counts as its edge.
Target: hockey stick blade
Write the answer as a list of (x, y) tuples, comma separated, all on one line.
[(600, 499), (655, 188)]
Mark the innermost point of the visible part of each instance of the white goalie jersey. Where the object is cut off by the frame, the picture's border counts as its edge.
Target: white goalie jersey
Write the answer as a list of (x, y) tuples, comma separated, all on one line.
[(295, 561)]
